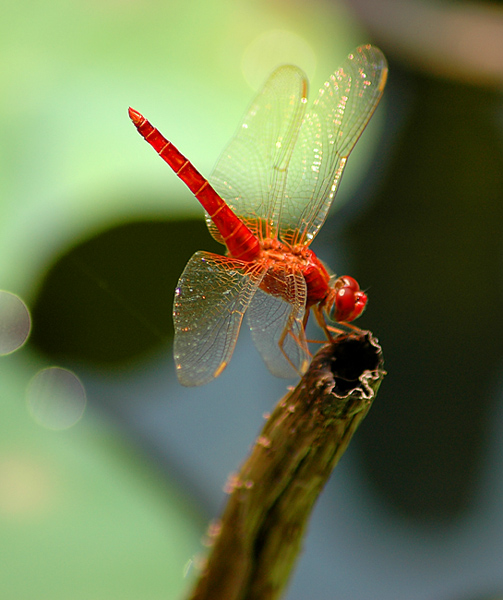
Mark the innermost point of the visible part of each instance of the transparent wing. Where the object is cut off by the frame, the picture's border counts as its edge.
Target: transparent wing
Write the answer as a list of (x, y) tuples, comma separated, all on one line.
[(276, 322), (212, 296), (328, 133), (251, 173)]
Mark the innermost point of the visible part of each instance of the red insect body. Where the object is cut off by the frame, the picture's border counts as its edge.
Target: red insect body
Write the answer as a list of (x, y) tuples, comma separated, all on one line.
[(278, 177)]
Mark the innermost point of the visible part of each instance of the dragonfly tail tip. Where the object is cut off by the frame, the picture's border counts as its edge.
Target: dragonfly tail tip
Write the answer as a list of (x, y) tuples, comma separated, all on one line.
[(135, 116)]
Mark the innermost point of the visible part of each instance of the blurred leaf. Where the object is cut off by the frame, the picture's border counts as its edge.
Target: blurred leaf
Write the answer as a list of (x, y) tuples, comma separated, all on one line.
[(110, 298)]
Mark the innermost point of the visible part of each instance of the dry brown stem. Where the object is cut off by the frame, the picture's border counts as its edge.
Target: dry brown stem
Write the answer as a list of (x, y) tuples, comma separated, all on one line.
[(257, 539)]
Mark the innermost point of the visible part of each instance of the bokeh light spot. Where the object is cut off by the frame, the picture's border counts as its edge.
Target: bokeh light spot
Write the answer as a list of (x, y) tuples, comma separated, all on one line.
[(56, 398), (272, 49), (15, 322)]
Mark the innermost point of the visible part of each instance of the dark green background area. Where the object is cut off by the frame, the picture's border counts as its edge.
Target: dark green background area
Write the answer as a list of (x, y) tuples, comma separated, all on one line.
[(108, 300), (430, 247)]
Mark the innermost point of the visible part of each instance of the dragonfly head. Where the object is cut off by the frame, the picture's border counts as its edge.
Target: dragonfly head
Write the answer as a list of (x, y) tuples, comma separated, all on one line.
[(345, 301)]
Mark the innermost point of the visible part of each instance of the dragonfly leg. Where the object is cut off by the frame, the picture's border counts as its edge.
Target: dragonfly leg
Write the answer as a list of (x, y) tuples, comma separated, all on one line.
[(354, 328), (320, 319), (281, 341), (304, 324)]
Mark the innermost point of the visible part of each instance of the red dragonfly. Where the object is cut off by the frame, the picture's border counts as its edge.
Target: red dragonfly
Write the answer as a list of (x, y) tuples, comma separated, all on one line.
[(266, 200)]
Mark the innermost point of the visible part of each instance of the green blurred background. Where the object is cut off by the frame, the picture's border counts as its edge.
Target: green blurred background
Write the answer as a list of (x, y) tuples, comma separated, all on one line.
[(95, 231)]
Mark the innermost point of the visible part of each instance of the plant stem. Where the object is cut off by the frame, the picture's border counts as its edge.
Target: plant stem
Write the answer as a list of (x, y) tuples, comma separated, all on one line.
[(257, 539)]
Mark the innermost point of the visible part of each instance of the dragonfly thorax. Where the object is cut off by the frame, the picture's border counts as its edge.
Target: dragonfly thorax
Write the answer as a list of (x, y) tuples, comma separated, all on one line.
[(280, 258), (341, 298), (277, 251)]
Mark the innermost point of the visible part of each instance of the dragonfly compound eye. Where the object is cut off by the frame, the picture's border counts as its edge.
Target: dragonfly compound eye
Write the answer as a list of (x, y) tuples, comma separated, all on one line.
[(349, 301)]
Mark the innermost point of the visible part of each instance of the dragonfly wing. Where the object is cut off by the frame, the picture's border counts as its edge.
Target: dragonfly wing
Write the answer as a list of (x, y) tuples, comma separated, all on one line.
[(212, 296), (276, 322), (328, 133), (251, 173)]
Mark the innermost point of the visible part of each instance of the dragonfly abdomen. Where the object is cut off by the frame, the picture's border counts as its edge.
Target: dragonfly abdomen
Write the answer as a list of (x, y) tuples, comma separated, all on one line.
[(240, 241)]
